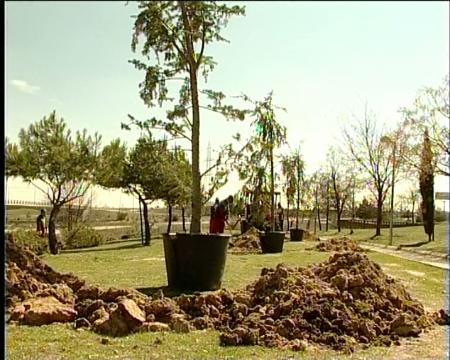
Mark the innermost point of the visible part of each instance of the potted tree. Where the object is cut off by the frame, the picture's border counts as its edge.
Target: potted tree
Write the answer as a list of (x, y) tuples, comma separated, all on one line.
[(174, 36), (269, 135), (298, 169)]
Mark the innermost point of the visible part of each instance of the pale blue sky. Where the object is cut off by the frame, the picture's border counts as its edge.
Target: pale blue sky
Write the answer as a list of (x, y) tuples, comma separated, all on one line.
[(322, 59)]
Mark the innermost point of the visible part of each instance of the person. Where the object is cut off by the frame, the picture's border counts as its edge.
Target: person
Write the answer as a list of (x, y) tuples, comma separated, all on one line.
[(41, 228), (221, 216), (213, 214), (280, 217)]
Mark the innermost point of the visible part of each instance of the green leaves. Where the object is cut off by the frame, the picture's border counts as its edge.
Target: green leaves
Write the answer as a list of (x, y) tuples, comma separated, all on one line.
[(48, 152)]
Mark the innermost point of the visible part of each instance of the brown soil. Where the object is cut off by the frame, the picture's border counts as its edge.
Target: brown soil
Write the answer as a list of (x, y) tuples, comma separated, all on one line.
[(337, 244), (344, 301), (247, 243)]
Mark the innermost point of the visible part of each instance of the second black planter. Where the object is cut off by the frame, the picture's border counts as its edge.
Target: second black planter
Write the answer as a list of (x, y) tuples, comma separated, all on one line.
[(272, 241), (296, 234)]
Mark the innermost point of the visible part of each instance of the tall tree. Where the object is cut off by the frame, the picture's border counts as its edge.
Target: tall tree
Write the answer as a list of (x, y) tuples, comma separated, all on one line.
[(258, 153), (426, 182), (365, 147), (48, 152), (175, 35), (430, 112)]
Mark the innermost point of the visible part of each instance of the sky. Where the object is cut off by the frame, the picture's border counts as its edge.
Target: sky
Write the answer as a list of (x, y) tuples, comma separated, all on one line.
[(323, 61)]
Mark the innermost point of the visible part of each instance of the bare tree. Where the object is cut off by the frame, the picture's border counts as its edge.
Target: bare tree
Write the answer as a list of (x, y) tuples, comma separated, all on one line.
[(364, 146), (430, 112), (341, 183)]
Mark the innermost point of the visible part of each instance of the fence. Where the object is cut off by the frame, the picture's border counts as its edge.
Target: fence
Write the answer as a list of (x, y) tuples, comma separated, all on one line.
[(372, 224)]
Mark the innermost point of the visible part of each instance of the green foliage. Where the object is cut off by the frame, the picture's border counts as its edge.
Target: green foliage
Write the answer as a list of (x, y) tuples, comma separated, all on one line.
[(121, 216), (366, 210), (426, 182), (47, 152), (440, 216), (174, 35), (258, 153), (82, 236)]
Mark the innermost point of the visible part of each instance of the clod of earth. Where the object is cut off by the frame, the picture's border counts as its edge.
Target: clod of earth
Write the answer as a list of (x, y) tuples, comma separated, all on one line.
[(247, 243), (344, 301), (337, 244)]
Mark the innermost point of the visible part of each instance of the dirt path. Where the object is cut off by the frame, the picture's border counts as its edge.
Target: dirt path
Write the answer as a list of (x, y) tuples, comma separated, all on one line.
[(424, 259)]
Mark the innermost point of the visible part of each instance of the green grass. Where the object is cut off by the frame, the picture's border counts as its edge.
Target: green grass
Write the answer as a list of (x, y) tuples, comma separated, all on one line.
[(402, 236), (128, 264)]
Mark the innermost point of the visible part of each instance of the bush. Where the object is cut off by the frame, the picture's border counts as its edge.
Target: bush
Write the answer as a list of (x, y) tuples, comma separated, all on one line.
[(82, 236), (121, 216), (175, 217), (30, 238), (440, 216)]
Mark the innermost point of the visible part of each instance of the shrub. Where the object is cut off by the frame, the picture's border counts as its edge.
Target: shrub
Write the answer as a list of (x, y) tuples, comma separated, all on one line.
[(440, 216), (121, 216), (82, 236), (31, 239)]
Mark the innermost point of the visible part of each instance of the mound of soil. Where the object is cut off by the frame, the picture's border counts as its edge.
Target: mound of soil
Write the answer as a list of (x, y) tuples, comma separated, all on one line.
[(338, 244), (341, 302), (247, 243)]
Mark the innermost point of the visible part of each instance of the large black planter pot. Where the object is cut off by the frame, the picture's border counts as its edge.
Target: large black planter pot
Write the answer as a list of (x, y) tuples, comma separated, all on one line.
[(170, 258), (272, 241), (296, 234), (195, 261)]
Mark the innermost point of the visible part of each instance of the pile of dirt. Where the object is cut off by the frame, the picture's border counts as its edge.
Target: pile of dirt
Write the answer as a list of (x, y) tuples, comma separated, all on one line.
[(337, 244), (341, 302), (344, 301), (247, 243)]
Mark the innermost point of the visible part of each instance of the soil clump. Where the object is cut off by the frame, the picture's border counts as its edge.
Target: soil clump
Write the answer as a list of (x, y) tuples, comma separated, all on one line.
[(337, 244), (247, 243)]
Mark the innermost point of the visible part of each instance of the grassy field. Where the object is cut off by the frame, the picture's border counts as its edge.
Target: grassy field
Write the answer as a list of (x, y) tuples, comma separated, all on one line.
[(402, 236), (129, 264)]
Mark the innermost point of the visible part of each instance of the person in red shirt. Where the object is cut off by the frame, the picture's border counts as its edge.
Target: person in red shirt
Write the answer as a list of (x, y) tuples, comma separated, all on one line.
[(221, 216)]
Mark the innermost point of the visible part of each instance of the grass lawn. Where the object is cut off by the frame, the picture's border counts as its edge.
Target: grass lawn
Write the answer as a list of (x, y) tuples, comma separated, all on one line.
[(129, 264), (402, 236)]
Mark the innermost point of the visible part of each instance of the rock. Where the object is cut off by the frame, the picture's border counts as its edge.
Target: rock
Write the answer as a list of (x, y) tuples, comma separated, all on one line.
[(43, 311), (82, 322), (156, 326), (179, 324), (115, 324), (133, 315)]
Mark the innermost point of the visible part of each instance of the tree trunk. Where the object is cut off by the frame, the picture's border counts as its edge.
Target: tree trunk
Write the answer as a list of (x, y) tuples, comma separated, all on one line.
[(169, 222), (287, 216), (353, 208), (196, 185), (328, 206), (52, 239), (339, 214), (412, 213), (183, 219), (140, 219), (379, 212), (146, 224), (318, 209), (272, 191)]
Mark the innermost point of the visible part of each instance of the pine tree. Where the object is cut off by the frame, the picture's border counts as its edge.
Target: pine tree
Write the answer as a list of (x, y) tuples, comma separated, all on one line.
[(426, 181)]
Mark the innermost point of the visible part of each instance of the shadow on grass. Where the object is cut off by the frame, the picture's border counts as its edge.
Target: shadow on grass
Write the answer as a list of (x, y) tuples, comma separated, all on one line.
[(417, 244), (167, 291), (94, 249)]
